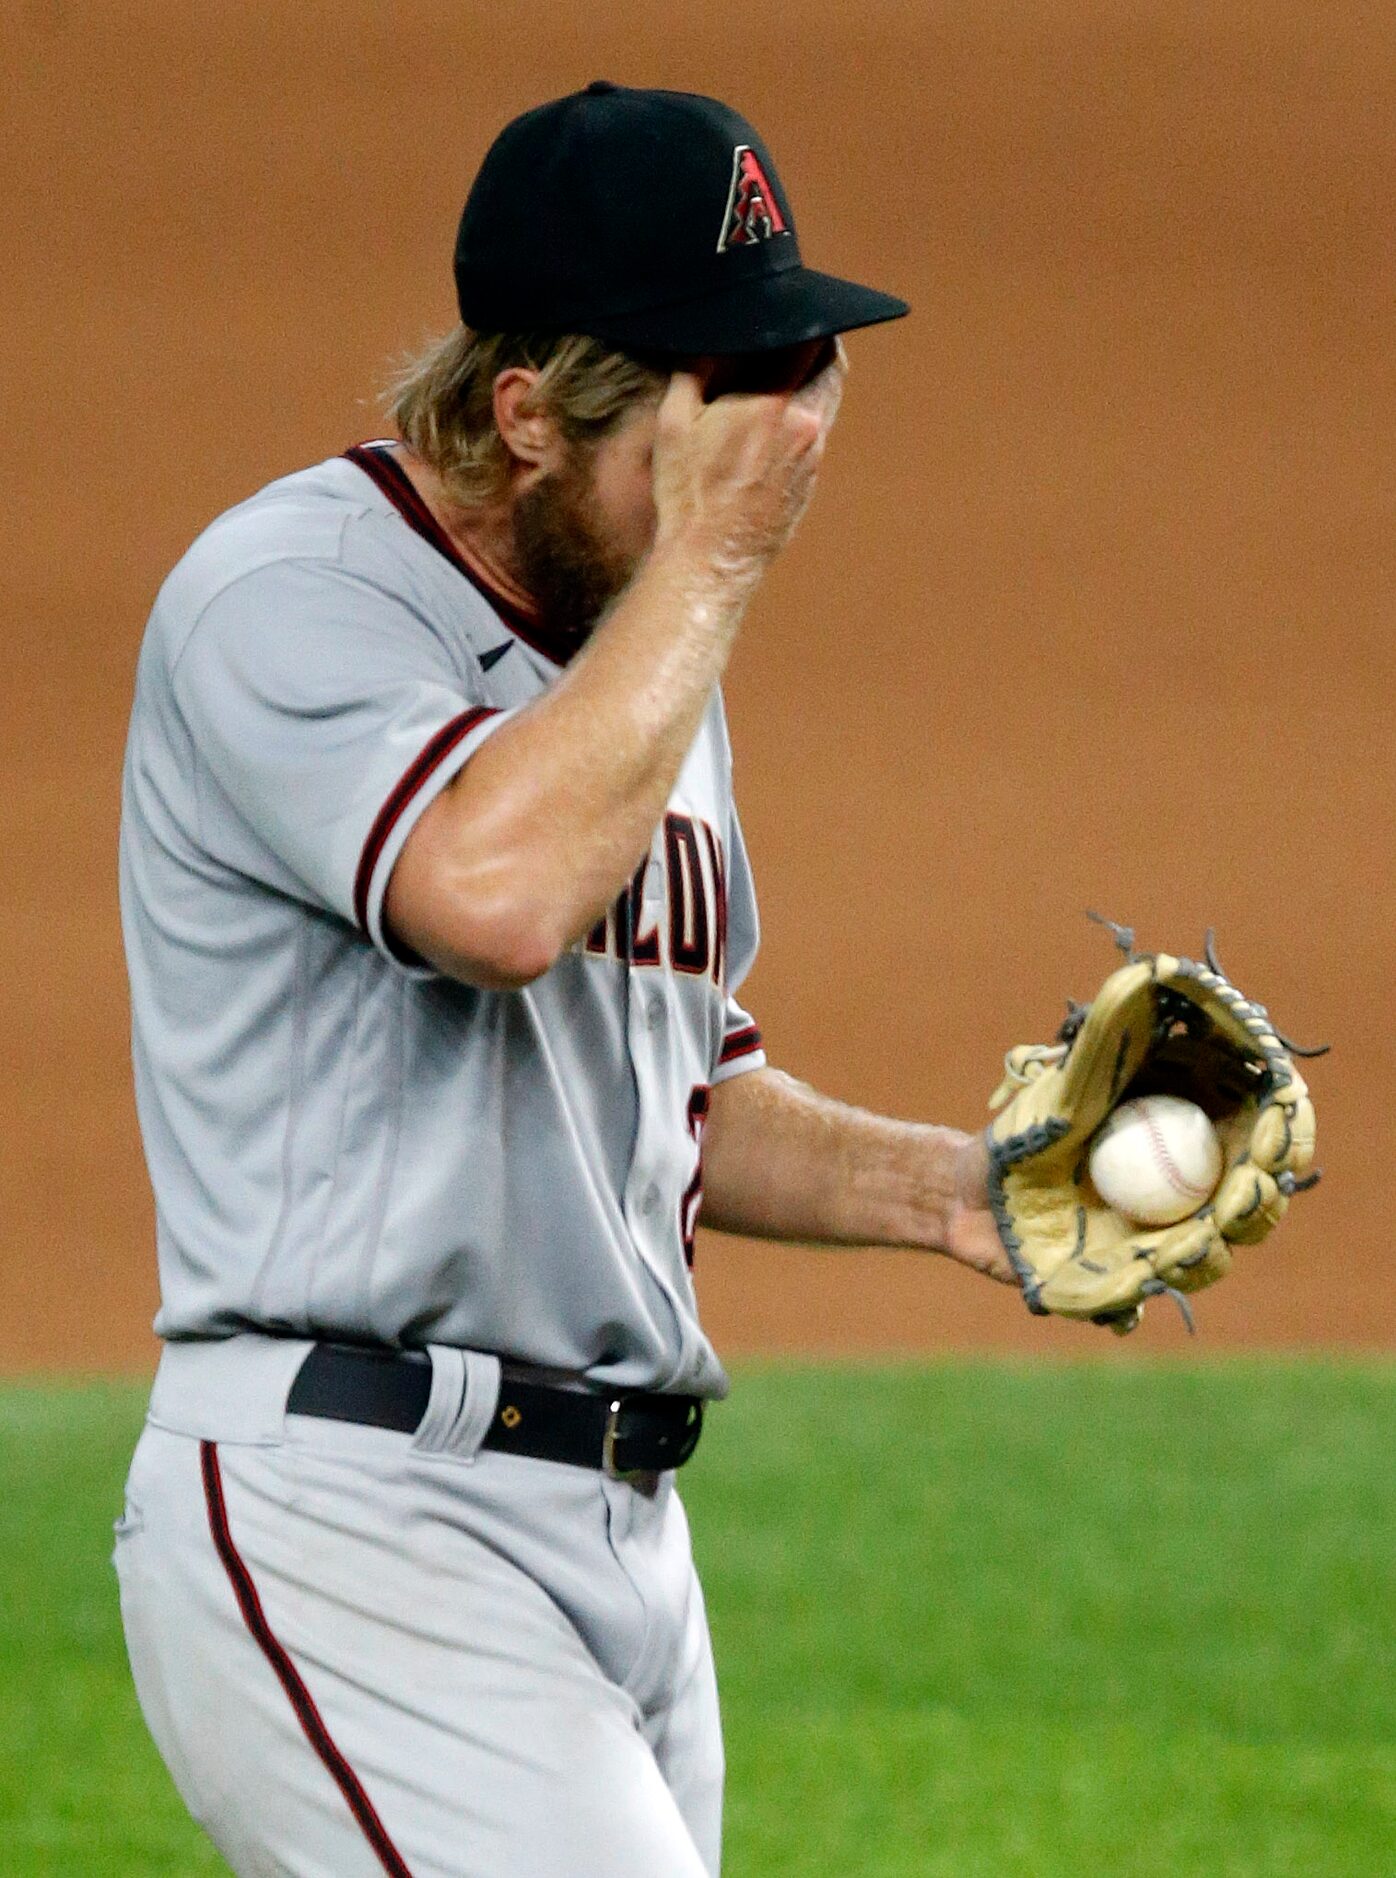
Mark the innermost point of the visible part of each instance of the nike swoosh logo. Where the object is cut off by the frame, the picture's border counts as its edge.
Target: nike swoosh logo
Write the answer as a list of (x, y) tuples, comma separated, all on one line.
[(495, 654)]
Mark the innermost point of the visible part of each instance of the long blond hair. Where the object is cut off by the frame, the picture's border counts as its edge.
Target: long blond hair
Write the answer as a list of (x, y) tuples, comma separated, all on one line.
[(442, 400)]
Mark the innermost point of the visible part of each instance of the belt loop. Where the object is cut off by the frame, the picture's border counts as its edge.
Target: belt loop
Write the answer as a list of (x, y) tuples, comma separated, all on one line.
[(461, 1406)]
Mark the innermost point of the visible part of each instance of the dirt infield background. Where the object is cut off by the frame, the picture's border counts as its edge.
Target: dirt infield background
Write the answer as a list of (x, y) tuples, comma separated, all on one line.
[(1093, 609)]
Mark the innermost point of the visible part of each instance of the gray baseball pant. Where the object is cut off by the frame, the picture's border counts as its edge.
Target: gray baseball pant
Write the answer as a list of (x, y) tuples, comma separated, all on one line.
[(361, 1651)]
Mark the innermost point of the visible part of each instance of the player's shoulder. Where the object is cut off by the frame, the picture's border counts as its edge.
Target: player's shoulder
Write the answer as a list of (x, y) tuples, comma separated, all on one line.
[(298, 519), (322, 534)]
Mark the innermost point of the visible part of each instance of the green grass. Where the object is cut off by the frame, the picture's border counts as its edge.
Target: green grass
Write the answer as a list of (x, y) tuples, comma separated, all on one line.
[(970, 1619), (1022, 1621)]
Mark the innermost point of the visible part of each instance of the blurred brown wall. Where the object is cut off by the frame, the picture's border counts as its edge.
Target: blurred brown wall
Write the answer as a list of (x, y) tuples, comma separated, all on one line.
[(1092, 609)]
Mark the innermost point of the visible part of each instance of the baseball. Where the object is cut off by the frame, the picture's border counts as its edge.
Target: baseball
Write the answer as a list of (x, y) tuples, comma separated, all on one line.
[(1156, 1159)]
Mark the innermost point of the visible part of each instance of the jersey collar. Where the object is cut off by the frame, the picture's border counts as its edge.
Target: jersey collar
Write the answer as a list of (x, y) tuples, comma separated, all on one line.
[(378, 463)]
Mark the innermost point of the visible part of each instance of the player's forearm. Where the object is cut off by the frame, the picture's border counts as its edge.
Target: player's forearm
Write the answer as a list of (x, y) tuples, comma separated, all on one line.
[(585, 774), (781, 1161), (543, 827), (538, 834)]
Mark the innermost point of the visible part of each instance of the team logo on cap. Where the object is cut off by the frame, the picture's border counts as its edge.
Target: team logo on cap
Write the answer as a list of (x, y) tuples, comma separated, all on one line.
[(753, 214)]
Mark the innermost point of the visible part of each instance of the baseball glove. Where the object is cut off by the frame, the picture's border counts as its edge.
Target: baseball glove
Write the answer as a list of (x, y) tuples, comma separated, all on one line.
[(1158, 1026)]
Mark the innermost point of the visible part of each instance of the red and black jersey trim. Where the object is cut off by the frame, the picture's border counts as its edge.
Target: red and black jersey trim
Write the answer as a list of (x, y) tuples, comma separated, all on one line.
[(744, 1042), (430, 758), (300, 1698), (382, 468)]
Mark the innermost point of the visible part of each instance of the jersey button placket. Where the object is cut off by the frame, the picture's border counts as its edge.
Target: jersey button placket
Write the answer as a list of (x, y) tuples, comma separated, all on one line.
[(644, 998)]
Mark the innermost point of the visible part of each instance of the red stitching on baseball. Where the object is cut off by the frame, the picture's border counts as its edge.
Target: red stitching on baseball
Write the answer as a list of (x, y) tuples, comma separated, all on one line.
[(1189, 1189)]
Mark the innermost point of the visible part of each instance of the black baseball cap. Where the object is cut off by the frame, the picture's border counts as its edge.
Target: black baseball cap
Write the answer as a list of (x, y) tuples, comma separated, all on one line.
[(653, 220)]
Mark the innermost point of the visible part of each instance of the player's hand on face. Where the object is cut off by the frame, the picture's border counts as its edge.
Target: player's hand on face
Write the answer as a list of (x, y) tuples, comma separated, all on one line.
[(734, 472)]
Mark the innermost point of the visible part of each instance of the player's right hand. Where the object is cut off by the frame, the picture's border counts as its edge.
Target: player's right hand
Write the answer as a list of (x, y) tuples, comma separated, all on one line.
[(734, 473)]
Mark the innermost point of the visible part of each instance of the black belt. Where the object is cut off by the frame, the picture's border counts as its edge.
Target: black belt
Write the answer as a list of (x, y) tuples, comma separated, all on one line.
[(621, 1434)]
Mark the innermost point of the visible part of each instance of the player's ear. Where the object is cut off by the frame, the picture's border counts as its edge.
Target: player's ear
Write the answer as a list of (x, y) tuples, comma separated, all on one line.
[(528, 430)]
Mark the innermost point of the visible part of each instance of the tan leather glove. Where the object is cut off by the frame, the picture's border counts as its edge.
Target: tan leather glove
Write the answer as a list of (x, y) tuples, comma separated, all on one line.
[(1158, 1025)]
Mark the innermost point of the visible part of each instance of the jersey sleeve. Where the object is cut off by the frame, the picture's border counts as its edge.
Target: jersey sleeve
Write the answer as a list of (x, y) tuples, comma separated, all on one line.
[(328, 715), (740, 1048)]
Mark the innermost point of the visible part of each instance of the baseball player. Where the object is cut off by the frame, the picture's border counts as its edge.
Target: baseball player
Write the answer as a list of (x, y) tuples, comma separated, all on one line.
[(436, 911)]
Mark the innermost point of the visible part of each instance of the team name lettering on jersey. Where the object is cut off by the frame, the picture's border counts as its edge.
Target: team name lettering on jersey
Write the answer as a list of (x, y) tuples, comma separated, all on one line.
[(691, 936)]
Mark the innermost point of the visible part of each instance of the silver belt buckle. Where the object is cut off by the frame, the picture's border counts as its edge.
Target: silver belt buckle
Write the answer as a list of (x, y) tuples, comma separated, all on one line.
[(608, 1439), (644, 1480)]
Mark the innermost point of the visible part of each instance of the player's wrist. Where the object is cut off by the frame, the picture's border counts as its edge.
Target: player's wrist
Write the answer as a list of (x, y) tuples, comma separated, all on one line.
[(917, 1185), (953, 1178), (684, 608), (708, 568)]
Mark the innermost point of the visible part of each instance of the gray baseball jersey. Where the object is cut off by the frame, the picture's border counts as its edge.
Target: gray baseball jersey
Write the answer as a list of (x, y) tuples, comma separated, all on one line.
[(341, 1141)]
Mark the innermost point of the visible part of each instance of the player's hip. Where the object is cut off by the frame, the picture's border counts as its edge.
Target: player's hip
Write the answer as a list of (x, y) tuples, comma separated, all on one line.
[(332, 1643), (364, 1514)]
